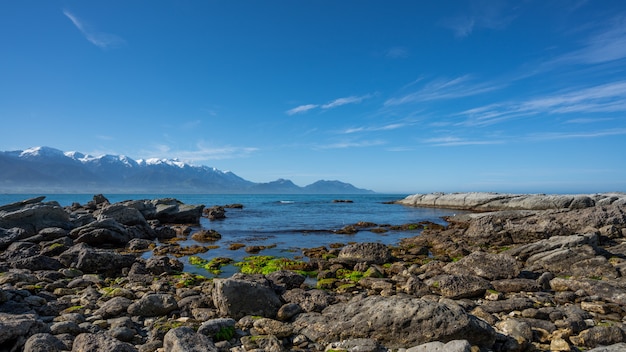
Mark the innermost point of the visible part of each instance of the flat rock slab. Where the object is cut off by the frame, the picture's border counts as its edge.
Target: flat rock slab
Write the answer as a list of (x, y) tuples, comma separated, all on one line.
[(396, 322)]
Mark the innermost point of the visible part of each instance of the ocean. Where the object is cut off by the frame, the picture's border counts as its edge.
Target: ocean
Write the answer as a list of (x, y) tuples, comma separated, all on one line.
[(288, 223)]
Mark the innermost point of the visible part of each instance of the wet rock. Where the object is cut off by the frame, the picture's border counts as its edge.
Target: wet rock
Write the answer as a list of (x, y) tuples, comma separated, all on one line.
[(184, 339), (215, 213), (237, 298), (288, 311), (286, 280), (395, 322), (206, 236)]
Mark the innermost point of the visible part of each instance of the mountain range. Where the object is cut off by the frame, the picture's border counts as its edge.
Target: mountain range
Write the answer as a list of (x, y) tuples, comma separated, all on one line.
[(49, 170)]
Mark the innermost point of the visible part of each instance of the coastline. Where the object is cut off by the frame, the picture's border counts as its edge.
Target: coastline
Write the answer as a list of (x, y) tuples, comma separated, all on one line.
[(511, 279)]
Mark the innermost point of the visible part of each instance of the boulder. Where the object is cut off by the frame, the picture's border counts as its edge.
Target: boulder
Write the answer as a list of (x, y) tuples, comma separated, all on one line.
[(309, 301), (459, 286), (122, 214), (16, 328), (44, 342), (92, 260), (237, 298), (357, 345), (396, 322), (102, 233), (215, 213), (184, 339), (172, 211), (486, 265), (100, 342), (436, 346), (158, 265), (370, 253), (32, 216), (153, 304), (114, 307)]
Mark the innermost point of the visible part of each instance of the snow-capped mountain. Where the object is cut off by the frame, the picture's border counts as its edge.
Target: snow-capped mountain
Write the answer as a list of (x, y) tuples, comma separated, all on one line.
[(45, 169)]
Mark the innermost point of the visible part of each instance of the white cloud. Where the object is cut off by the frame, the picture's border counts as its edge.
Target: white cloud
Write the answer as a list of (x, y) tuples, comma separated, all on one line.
[(607, 44), (100, 39), (333, 104), (200, 154), (397, 53), (302, 108), (482, 14), (610, 97), (388, 127), (352, 144), (343, 101), (456, 141), (440, 89), (572, 135)]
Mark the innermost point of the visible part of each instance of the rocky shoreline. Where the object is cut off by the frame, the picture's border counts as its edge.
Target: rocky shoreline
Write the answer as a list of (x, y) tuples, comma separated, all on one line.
[(526, 273)]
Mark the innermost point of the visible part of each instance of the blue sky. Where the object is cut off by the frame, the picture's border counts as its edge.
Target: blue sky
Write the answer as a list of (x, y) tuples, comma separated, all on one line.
[(394, 96)]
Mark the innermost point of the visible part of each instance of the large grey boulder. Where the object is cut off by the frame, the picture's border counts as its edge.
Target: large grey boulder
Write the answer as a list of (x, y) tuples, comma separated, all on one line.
[(100, 342), (396, 322), (102, 233), (459, 286), (123, 214), (93, 260), (44, 342), (237, 298), (32, 216), (184, 339), (153, 304), (486, 265), (370, 253), (172, 211)]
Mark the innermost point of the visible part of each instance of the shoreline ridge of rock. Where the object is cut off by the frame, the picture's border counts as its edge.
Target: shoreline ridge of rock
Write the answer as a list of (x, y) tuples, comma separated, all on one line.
[(491, 201)]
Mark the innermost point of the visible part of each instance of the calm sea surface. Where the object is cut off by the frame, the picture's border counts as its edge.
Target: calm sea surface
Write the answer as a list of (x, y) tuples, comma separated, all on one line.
[(291, 222)]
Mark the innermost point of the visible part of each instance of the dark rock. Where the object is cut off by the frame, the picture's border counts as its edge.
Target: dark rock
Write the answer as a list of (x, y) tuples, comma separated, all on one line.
[(157, 265), (206, 236), (286, 280), (507, 305), (212, 327), (44, 342), (265, 326), (395, 322), (37, 262), (172, 211), (288, 311), (599, 335), (237, 298), (516, 285), (215, 213), (360, 345), (33, 216), (153, 304), (16, 328), (102, 233), (91, 260)]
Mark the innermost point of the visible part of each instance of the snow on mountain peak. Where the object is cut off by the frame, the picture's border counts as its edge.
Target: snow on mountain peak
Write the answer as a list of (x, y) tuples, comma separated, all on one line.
[(41, 151)]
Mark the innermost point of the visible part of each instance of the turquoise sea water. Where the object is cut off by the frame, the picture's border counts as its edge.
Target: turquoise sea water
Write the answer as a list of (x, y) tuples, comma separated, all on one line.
[(291, 222)]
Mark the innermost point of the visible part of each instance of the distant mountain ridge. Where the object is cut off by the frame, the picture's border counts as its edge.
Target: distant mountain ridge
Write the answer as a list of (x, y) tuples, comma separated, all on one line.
[(49, 170)]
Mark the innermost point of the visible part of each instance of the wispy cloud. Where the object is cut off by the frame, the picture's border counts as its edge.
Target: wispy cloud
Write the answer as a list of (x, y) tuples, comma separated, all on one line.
[(577, 135), (201, 153), (456, 142), (352, 144), (482, 14), (610, 97), (100, 39), (302, 108), (440, 89), (588, 120), (343, 101), (606, 44), (389, 127), (330, 105)]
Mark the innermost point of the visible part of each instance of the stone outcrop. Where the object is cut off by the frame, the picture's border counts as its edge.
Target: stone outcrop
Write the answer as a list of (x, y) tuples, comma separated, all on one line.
[(481, 201)]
